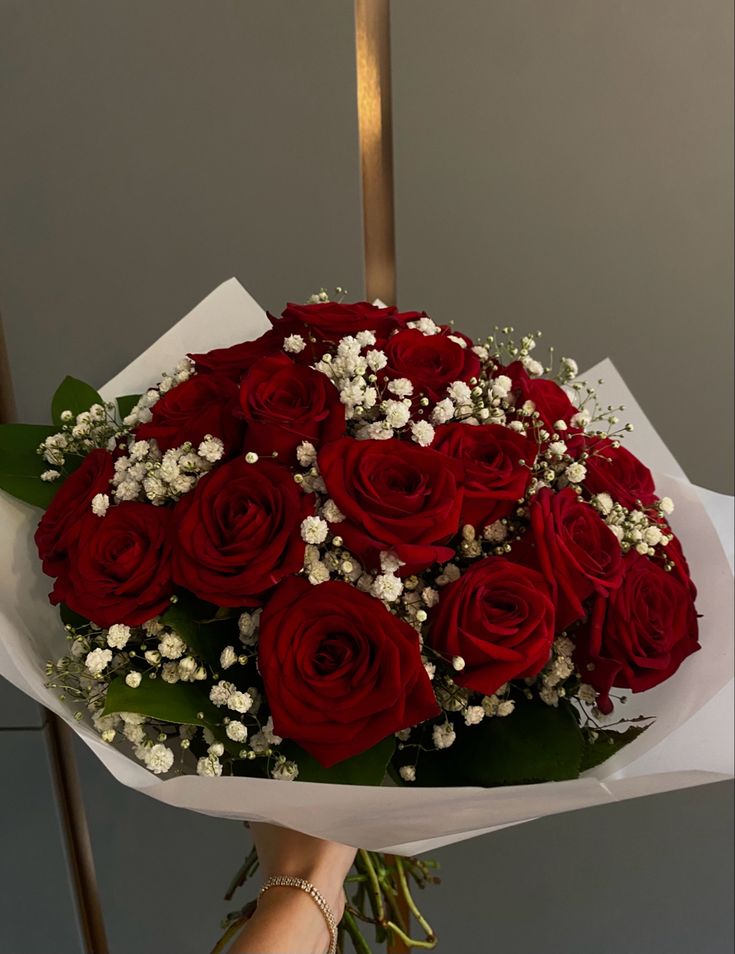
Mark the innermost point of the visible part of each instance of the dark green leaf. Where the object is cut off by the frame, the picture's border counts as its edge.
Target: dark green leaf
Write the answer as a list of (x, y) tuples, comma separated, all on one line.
[(73, 395), (126, 403), (536, 743), (179, 702), (205, 636), (21, 466), (70, 618), (367, 768), (607, 743)]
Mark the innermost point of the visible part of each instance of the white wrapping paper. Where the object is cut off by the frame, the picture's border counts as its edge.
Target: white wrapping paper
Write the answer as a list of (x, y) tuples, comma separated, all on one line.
[(689, 744)]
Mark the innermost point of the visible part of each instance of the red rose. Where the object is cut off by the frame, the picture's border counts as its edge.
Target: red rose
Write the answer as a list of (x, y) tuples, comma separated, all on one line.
[(60, 526), (551, 401), (430, 362), (239, 358), (238, 533), (499, 617), (205, 404), (395, 496), (638, 636), (286, 403), (341, 673), (327, 322), (577, 552), (615, 471), (119, 570), (493, 480), (675, 555)]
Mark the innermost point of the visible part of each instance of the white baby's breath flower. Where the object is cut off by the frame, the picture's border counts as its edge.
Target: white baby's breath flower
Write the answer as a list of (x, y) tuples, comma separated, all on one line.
[(133, 680), (407, 773), (496, 532), (170, 672), (211, 449), (306, 454), (318, 573), (96, 661), (603, 502), (50, 475), (365, 338), (376, 360), (557, 448), (239, 701), (425, 325), (430, 596), (285, 771), (127, 490), (501, 386), (570, 367), (575, 473), (172, 646), (505, 708), (667, 505), (518, 426), (443, 412), (389, 561), (159, 759), (332, 513), (294, 344), (473, 715), (534, 368), (460, 392), (401, 387), (228, 657), (236, 731), (216, 749), (458, 663), (209, 766), (314, 530), (397, 414), (221, 692), (587, 694), (118, 635), (652, 536), (443, 735), (458, 340), (422, 432), (430, 668), (581, 418), (387, 587)]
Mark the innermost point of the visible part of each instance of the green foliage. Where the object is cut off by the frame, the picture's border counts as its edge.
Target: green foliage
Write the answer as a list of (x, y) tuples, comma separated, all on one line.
[(367, 768), (185, 703), (73, 395), (70, 618), (197, 624), (606, 743), (537, 743), (21, 466), (126, 403)]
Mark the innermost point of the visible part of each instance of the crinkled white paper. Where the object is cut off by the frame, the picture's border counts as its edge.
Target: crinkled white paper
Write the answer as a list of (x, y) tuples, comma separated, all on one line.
[(689, 744)]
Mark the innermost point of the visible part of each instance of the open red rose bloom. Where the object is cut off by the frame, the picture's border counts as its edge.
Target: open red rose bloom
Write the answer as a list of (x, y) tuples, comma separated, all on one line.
[(354, 543)]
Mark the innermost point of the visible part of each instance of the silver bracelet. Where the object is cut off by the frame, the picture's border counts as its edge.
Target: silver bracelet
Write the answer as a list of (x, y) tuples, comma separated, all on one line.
[(286, 881)]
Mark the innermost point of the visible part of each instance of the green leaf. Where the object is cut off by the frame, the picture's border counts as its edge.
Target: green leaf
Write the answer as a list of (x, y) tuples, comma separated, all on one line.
[(179, 702), (75, 396), (606, 744), (70, 618), (367, 768), (126, 403), (21, 466), (536, 743), (205, 636)]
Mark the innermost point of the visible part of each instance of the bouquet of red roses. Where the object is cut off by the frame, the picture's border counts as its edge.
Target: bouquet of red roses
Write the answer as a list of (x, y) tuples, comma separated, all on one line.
[(360, 544)]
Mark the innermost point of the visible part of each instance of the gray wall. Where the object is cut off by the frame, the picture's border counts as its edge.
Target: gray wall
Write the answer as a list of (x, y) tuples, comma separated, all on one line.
[(558, 165), (568, 166)]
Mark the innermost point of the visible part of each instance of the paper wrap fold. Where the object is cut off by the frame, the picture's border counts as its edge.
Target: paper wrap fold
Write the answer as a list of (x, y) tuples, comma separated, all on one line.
[(689, 744)]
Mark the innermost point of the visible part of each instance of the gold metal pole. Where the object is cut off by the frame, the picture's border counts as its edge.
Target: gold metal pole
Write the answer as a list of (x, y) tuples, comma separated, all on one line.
[(64, 768), (375, 121), (374, 112)]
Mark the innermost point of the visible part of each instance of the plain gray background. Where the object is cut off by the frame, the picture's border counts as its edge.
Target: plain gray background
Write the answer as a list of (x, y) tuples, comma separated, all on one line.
[(564, 166)]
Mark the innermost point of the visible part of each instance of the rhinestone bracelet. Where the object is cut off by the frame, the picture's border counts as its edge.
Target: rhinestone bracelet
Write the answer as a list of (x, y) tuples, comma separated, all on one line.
[(286, 881)]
